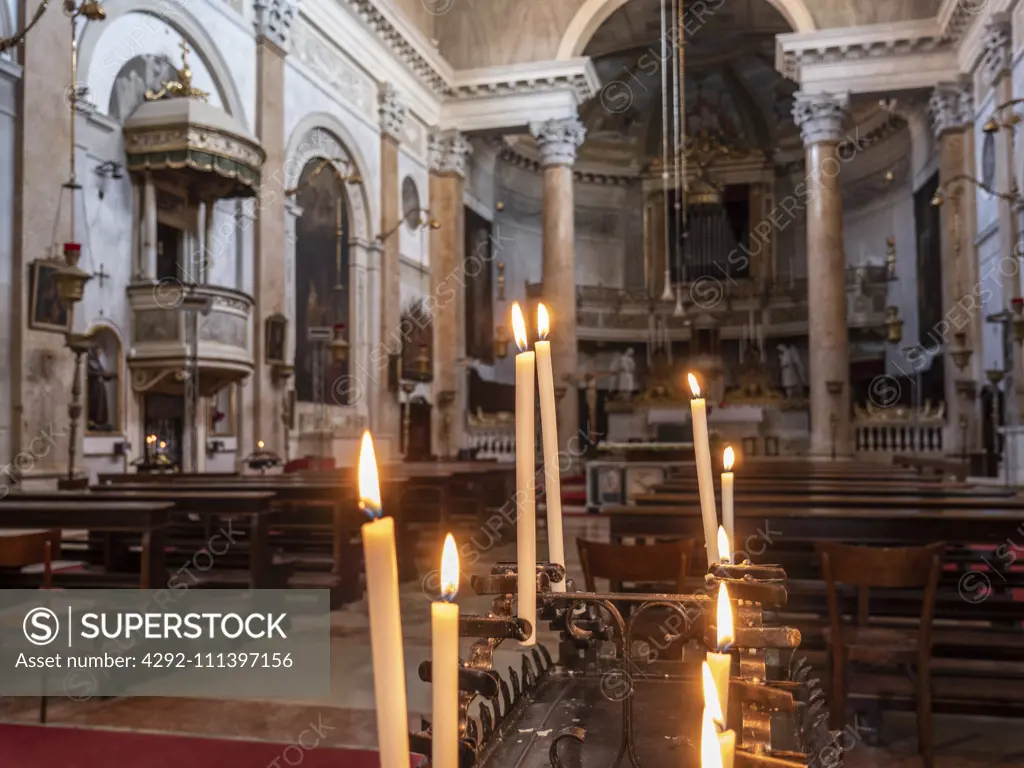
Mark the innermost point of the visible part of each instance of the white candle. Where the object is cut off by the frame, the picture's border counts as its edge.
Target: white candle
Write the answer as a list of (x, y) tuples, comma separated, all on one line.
[(526, 534), (705, 479), (549, 436), (728, 512), (385, 616), (444, 663), (720, 663)]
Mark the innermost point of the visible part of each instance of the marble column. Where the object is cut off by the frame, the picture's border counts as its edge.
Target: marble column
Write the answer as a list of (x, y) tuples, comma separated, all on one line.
[(272, 23), (820, 119), (449, 153), (149, 225), (41, 367), (392, 112), (557, 141), (951, 108)]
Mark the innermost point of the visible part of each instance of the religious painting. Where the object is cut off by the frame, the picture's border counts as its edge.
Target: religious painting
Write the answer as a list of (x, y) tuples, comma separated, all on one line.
[(103, 383), (276, 330), (46, 312), (321, 283), (479, 288), (417, 330)]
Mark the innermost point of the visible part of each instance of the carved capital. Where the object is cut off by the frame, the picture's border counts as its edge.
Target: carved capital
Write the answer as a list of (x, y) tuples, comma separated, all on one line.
[(820, 116), (392, 111), (274, 21), (557, 140), (996, 44), (449, 153), (951, 107)]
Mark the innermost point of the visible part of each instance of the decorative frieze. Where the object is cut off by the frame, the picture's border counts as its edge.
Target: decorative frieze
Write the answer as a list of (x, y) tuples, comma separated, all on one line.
[(558, 140), (951, 107), (820, 116), (273, 21), (448, 153), (996, 45), (392, 111), (330, 65)]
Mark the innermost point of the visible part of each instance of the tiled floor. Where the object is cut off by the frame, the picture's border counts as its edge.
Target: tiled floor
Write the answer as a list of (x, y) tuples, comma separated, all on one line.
[(348, 718)]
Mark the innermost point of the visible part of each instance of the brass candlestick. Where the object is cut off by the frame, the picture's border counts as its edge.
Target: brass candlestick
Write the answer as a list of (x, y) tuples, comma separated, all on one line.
[(408, 387)]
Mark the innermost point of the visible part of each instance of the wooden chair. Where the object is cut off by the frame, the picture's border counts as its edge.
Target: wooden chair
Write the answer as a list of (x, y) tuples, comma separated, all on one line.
[(20, 549), (645, 563), (884, 568)]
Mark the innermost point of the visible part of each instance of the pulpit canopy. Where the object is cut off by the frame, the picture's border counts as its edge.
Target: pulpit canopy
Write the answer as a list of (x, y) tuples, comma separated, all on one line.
[(196, 145), (179, 137)]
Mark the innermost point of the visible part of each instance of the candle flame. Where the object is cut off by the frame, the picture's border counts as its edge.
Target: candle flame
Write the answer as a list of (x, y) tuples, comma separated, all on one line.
[(725, 631), (694, 386), (260, 445), (163, 444), (724, 553), (710, 747), (369, 484), (519, 327), (728, 458), (712, 706), (449, 569), (543, 321)]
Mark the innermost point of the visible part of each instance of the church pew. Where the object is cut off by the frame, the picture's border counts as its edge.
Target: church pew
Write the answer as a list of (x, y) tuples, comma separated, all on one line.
[(931, 465), (136, 478), (844, 499), (978, 617), (248, 553), (148, 519), (773, 487)]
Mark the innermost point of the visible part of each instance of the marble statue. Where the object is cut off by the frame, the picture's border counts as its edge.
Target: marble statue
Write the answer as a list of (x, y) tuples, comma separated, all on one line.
[(625, 378), (793, 379)]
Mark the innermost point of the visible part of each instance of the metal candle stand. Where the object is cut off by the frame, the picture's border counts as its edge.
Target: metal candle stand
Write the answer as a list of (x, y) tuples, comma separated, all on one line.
[(777, 709)]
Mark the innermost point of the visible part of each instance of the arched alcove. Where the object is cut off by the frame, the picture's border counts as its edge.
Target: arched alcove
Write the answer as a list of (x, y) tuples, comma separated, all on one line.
[(104, 394), (322, 290)]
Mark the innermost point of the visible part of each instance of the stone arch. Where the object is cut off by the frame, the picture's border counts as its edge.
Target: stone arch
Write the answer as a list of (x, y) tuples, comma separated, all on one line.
[(109, 340), (593, 13), (322, 135), (174, 14)]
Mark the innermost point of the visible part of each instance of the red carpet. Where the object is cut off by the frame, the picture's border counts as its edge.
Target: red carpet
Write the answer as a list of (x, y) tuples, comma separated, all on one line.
[(34, 746)]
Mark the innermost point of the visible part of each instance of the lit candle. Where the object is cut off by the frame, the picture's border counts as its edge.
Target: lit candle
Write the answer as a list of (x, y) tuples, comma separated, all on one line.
[(549, 435), (728, 513), (444, 663), (705, 479), (259, 445), (526, 534), (385, 616), (717, 748), (721, 662)]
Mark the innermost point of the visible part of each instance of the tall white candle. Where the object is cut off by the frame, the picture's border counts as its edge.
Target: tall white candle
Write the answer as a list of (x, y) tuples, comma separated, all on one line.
[(549, 435), (385, 616), (444, 663), (728, 512), (705, 479), (526, 533)]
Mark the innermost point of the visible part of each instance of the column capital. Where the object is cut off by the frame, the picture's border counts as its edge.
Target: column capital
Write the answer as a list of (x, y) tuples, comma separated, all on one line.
[(820, 116), (392, 111), (273, 21), (996, 45), (951, 107), (557, 140), (448, 153)]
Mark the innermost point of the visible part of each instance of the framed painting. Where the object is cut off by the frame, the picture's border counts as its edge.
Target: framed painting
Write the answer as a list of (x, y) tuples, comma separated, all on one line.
[(46, 313)]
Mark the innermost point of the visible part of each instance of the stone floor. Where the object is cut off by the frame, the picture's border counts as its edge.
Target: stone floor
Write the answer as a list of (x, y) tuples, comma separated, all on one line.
[(347, 717)]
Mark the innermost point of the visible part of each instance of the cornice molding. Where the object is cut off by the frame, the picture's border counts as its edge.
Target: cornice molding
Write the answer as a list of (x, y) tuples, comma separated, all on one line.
[(531, 77)]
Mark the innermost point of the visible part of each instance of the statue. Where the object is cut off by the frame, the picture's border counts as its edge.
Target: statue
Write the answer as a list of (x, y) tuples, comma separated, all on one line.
[(793, 379), (96, 391), (625, 380)]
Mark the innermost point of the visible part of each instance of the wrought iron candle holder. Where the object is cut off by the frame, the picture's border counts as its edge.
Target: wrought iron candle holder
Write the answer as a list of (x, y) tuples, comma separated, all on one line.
[(595, 705)]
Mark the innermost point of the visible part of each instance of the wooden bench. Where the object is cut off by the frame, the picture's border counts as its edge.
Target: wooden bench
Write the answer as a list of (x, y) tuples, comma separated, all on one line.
[(931, 465), (148, 519)]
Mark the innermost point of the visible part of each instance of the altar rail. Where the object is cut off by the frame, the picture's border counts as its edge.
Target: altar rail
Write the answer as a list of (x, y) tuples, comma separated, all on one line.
[(497, 443), (892, 438)]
